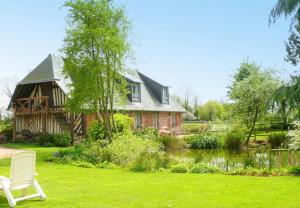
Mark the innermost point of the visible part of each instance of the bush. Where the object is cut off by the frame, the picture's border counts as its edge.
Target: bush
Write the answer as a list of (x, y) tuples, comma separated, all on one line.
[(126, 148), (233, 140), (179, 169), (123, 122), (96, 131), (147, 133), (170, 143), (44, 139), (7, 132), (276, 139), (61, 140), (205, 141), (149, 161), (195, 128), (294, 170), (203, 168)]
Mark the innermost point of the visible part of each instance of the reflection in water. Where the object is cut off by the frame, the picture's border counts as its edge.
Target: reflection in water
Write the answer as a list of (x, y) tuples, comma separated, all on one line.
[(226, 160)]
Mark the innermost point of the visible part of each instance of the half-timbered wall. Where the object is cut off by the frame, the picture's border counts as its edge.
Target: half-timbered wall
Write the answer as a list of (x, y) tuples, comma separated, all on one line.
[(34, 123)]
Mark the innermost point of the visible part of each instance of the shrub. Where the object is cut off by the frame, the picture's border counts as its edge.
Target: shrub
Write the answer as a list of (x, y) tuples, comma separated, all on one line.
[(61, 140), (195, 128), (147, 133), (126, 148), (295, 136), (96, 131), (276, 139), (294, 170), (179, 169), (149, 161), (203, 168), (44, 139), (123, 122), (205, 141), (170, 142), (8, 132), (233, 140)]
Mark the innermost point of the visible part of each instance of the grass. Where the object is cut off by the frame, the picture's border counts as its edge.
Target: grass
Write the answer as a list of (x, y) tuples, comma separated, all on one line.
[(263, 135), (69, 186)]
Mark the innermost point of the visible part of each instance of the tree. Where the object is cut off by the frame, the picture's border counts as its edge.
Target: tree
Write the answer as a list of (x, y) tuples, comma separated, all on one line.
[(282, 103), (211, 110), (250, 95), (289, 8), (95, 50)]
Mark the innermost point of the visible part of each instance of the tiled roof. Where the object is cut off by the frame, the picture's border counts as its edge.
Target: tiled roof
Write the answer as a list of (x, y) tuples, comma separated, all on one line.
[(51, 70)]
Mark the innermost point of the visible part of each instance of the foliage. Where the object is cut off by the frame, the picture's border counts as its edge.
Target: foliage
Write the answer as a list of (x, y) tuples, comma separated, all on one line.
[(276, 139), (7, 132), (195, 128), (203, 168), (123, 122), (149, 161), (205, 141), (211, 111), (179, 169), (294, 170), (147, 133), (44, 139), (126, 148), (295, 136), (61, 140), (96, 50), (171, 143), (233, 140), (96, 131), (289, 8), (250, 92)]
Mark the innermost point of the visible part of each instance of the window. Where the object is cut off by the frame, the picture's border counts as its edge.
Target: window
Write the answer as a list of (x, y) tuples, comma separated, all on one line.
[(135, 93), (164, 95), (173, 120), (155, 121), (138, 120)]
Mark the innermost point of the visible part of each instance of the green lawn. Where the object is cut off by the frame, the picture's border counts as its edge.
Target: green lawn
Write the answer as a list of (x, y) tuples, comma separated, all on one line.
[(69, 186)]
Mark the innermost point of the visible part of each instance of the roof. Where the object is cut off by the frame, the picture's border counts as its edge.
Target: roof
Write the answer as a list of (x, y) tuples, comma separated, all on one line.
[(51, 69)]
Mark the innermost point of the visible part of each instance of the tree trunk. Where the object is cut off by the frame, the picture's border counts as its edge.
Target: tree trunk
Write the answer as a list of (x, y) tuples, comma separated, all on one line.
[(252, 127)]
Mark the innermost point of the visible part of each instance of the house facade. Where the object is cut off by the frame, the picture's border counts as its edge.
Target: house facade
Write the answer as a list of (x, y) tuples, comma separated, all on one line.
[(38, 103)]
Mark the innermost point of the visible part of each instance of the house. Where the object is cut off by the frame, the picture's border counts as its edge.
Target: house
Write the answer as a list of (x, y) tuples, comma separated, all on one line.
[(38, 103)]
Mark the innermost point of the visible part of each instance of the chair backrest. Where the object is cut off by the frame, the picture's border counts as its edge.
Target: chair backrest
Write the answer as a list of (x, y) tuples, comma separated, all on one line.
[(22, 169)]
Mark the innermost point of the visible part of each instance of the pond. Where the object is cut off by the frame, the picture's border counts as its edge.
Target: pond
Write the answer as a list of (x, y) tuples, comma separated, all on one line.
[(227, 161)]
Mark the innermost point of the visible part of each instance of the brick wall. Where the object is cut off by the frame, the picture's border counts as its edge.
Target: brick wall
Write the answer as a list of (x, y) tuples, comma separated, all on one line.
[(147, 120)]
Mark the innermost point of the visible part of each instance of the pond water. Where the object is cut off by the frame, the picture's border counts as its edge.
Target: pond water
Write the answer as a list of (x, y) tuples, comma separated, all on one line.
[(225, 160)]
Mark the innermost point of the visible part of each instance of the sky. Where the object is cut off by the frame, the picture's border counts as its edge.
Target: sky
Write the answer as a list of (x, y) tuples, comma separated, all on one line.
[(192, 45)]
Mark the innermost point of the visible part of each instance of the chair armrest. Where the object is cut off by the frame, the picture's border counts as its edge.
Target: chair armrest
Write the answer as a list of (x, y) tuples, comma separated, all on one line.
[(2, 178)]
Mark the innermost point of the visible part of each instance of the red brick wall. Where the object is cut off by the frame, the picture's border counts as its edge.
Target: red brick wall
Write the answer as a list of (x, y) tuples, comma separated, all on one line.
[(147, 120)]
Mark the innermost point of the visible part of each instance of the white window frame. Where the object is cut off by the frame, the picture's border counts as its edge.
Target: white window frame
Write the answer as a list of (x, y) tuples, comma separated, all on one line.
[(138, 120), (135, 92), (156, 120), (173, 119), (164, 95)]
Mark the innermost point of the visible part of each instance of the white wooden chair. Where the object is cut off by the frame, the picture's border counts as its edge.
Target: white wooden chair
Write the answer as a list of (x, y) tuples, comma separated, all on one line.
[(21, 177)]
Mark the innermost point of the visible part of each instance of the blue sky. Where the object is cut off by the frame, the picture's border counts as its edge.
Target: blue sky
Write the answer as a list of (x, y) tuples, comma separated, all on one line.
[(189, 45)]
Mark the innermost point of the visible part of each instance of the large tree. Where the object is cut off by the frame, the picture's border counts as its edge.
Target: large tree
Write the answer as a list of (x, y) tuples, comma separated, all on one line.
[(95, 50), (289, 8), (250, 94), (211, 110)]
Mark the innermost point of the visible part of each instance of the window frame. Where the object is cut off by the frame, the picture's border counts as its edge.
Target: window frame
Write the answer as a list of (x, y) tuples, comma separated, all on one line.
[(165, 95), (135, 96), (174, 120), (138, 120), (155, 120)]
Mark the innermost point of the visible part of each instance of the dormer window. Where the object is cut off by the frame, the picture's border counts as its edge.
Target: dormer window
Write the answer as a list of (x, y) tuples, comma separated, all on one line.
[(135, 92), (164, 95)]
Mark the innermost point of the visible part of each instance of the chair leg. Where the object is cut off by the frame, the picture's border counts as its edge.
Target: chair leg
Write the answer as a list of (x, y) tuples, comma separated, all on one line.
[(9, 196), (39, 190)]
